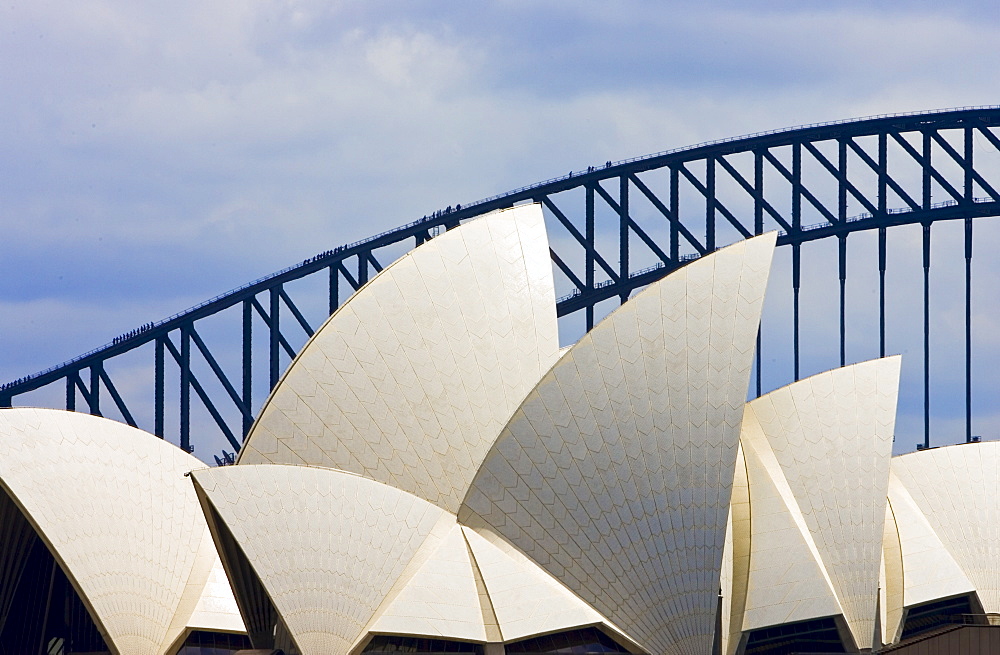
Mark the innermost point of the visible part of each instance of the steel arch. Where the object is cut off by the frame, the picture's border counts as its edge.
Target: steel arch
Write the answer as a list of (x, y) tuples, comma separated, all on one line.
[(823, 181)]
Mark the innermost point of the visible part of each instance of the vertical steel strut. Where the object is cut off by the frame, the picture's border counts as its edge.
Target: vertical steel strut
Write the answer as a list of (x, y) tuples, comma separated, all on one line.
[(968, 330), (247, 377), (927, 334), (589, 245)]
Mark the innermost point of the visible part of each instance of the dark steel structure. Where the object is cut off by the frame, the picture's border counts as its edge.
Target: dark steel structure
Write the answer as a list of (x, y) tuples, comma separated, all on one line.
[(615, 228)]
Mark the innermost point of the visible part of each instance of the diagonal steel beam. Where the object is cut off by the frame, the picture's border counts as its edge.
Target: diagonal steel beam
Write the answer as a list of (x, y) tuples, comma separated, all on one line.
[(220, 374), (820, 207), (841, 178), (193, 381), (116, 397), (567, 271), (872, 164), (267, 321), (347, 276), (669, 215), (639, 232), (960, 160), (575, 233), (986, 132), (295, 312), (759, 200), (84, 391), (925, 162), (714, 202)]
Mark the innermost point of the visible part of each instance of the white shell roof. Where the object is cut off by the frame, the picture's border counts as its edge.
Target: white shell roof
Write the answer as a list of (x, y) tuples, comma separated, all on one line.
[(208, 603), (526, 600), (891, 578), (787, 581), (411, 380), (100, 493), (442, 599), (736, 558), (216, 609), (919, 568), (596, 476), (947, 510), (469, 589), (608, 499), (329, 547), (343, 558), (817, 455)]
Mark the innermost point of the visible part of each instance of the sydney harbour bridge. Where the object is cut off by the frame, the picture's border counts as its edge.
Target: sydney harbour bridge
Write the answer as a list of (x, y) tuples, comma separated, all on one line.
[(843, 192)]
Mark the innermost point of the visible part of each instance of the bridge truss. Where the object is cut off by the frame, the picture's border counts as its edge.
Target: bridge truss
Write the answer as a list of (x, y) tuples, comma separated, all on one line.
[(614, 228)]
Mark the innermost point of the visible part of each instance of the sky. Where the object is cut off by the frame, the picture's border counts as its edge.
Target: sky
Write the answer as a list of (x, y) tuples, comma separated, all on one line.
[(155, 155)]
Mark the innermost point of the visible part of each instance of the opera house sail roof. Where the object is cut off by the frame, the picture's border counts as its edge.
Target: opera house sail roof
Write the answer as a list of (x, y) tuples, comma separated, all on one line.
[(433, 474), (410, 381), (817, 456), (111, 505), (610, 452)]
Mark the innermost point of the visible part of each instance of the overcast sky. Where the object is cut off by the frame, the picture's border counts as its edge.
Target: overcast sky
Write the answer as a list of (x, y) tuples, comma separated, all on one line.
[(155, 155)]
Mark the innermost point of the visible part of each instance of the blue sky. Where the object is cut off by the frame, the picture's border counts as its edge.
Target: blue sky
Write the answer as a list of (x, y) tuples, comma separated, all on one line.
[(156, 155)]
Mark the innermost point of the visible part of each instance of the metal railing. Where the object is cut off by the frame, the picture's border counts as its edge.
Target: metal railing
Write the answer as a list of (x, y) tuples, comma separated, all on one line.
[(716, 142), (895, 210)]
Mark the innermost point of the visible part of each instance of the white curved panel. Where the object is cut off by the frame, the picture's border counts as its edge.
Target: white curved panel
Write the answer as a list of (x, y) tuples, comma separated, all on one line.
[(615, 473), (216, 609), (112, 505), (410, 381), (471, 590), (956, 489), (787, 581), (526, 600), (736, 557), (207, 602), (884, 612), (441, 600), (929, 570), (830, 437), (892, 578), (328, 547)]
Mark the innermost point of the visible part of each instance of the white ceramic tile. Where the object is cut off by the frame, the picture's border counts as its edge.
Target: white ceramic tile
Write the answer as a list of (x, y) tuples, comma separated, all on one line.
[(423, 366), (817, 456), (114, 506), (327, 566), (947, 511), (658, 379)]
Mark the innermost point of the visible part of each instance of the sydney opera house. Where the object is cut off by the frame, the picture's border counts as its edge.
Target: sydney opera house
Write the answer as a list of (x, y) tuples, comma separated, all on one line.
[(434, 474)]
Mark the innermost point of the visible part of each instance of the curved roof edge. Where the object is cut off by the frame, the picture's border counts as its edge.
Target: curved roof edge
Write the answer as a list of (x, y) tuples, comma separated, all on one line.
[(527, 601), (302, 528), (411, 379), (948, 501), (212, 607), (373, 540), (653, 392), (470, 589), (100, 524), (825, 443), (782, 552)]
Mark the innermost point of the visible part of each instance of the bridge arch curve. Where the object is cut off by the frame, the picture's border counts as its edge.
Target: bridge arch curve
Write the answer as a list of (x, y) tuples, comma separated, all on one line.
[(615, 227)]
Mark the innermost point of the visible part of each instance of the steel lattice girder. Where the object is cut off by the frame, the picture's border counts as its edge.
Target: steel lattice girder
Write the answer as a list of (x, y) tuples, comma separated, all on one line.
[(613, 190)]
